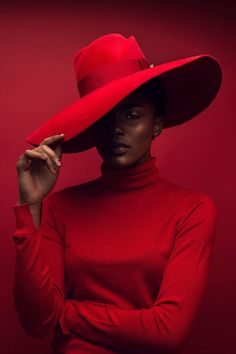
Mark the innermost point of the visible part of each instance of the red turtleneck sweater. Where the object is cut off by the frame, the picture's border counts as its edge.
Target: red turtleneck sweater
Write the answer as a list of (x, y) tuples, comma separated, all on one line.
[(119, 265)]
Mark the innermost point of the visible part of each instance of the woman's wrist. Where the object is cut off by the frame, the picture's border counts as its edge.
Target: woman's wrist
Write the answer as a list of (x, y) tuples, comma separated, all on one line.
[(35, 210)]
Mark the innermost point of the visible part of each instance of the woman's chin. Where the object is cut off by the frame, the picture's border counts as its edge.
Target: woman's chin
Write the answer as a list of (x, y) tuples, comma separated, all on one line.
[(125, 160), (118, 160)]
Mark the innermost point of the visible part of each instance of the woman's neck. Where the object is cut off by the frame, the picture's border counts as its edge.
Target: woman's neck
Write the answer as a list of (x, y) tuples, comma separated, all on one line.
[(142, 176)]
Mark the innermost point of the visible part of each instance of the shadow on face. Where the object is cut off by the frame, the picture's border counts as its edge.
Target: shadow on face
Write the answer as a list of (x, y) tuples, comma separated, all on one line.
[(134, 122)]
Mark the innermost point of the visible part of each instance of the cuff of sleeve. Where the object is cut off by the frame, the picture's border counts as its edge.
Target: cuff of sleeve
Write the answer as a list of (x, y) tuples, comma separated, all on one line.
[(24, 221)]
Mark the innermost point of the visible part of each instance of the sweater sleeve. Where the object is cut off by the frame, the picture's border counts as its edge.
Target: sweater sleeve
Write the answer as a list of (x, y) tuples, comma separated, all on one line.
[(162, 328), (38, 288)]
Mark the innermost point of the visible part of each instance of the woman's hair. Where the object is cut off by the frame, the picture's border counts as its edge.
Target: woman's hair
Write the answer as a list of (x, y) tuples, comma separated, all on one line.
[(154, 92)]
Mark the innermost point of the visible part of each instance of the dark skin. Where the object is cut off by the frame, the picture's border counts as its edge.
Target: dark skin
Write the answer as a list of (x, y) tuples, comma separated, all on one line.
[(135, 122)]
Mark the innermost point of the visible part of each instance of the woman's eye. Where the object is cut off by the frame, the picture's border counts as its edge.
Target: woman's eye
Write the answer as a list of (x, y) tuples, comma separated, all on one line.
[(132, 115)]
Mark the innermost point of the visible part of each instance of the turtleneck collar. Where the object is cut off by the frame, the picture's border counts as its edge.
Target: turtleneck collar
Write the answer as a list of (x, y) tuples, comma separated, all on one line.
[(142, 176)]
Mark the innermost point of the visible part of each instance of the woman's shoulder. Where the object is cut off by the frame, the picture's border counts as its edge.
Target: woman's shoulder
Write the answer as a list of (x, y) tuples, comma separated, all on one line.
[(187, 196)]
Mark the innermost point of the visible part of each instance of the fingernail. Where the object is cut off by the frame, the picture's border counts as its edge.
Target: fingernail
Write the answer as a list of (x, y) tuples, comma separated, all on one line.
[(58, 162)]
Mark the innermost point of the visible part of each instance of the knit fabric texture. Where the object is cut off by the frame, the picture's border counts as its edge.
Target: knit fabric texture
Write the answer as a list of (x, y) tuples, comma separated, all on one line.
[(120, 263)]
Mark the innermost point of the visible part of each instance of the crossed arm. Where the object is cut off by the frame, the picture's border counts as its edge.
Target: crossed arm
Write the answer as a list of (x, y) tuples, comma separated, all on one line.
[(161, 328)]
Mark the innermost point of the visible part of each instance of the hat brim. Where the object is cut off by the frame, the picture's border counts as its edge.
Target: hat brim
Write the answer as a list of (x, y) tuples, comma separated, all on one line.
[(190, 84)]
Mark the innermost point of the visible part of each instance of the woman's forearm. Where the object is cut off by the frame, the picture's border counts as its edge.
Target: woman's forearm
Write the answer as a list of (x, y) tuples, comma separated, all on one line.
[(38, 298)]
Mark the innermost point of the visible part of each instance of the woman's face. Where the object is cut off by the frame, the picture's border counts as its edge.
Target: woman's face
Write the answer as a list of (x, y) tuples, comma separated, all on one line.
[(132, 122)]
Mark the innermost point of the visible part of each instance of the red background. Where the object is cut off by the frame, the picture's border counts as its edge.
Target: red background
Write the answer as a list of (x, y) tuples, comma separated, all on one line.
[(38, 41)]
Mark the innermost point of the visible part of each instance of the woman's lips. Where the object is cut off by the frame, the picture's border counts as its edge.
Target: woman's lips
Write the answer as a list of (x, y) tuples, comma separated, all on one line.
[(119, 149)]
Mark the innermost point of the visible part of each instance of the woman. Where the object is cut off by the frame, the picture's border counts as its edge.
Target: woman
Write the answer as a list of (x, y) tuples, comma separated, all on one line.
[(118, 264)]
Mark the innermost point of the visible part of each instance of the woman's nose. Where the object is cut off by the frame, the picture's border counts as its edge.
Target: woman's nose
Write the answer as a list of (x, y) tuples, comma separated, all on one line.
[(114, 122)]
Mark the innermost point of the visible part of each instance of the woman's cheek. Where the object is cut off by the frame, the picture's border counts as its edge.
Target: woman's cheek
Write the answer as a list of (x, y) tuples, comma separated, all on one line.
[(142, 133)]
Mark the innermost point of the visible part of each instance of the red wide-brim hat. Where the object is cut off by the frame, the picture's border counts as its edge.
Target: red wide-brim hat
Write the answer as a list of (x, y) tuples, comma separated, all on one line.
[(112, 67)]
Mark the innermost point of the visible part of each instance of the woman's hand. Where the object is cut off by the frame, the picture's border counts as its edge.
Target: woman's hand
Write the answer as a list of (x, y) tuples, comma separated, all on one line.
[(36, 177)]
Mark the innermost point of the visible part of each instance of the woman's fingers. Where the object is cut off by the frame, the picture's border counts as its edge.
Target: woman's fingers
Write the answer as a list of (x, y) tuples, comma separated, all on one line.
[(43, 152), (54, 144), (25, 160), (43, 155), (52, 139), (51, 154)]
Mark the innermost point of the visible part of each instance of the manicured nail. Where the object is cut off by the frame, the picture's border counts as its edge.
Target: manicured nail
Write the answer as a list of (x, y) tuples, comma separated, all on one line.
[(58, 162)]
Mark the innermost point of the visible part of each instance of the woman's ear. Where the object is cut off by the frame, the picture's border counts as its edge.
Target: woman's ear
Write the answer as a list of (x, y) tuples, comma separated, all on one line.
[(158, 126)]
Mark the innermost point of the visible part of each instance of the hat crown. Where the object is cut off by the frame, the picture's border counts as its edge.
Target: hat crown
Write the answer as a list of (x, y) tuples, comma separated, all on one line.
[(104, 51)]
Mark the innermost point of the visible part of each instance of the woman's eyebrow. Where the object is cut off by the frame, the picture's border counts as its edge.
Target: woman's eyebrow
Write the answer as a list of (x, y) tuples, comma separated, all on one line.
[(129, 105)]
